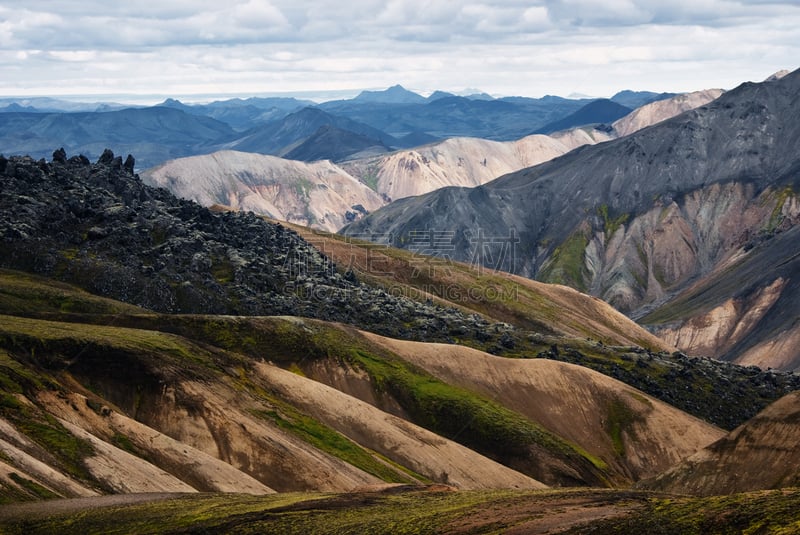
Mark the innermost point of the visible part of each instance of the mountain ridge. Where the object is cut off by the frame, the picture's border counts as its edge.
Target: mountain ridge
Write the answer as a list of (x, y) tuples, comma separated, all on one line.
[(568, 225)]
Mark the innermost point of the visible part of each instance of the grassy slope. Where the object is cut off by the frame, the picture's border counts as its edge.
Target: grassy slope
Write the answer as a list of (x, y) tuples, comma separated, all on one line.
[(491, 429), (462, 415), (39, 355)]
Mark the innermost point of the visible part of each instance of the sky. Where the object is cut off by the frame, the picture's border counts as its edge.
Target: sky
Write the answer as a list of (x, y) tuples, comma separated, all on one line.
[(196, 49)]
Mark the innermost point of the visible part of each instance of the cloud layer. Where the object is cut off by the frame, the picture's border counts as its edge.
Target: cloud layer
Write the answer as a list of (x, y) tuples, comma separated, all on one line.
[(506, 47)]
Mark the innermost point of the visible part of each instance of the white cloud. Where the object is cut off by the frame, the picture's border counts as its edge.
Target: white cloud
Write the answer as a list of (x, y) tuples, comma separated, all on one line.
[(508, 47)]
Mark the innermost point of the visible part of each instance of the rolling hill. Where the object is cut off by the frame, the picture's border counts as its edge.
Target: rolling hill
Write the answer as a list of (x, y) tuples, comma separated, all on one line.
[(762, 453)]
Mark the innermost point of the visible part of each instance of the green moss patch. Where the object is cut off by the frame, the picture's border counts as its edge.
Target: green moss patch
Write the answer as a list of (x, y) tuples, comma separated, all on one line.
[(567, 264), (331, 441)]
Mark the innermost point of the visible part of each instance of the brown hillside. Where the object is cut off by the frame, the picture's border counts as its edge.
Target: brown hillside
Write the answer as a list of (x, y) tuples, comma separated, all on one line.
[(762, 454), (545, 308)]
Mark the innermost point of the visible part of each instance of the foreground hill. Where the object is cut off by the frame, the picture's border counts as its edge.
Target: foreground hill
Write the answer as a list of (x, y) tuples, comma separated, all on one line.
[(151, 384), (119, 410), (637, 219), (763, 453)]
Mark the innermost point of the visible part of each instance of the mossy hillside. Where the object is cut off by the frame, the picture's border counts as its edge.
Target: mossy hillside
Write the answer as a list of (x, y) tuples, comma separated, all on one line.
[(769, 512), (776, 217), (179, 514), (611, 224), (62, 344), (331, 441), (456, 413), (428, 511), (142, 358), (23, 294), (20, 490), (710, 390), (721, 393), (478, 422), (619, 422)]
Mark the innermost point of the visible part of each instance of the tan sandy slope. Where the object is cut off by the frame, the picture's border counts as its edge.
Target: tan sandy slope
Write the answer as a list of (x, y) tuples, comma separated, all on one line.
[(414, 447), (763, 453)]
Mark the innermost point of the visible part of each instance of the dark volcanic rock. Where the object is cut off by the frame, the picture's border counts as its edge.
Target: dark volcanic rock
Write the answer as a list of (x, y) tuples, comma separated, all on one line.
[(98, 226)]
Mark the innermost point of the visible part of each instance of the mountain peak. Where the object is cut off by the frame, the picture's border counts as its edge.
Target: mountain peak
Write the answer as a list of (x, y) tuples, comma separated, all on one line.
[(397, 94)]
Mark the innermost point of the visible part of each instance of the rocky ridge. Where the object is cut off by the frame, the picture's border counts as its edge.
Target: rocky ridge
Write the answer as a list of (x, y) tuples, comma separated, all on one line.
[(100, 227)]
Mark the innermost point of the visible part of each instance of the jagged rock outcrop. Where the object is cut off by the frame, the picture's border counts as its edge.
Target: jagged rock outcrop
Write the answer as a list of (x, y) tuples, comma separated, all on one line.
[(102, 228)]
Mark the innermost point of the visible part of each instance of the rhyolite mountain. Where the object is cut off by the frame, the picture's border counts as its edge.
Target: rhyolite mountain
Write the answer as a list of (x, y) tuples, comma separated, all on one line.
[(317, 194), (283, 186), (637, 219), (744, 310)]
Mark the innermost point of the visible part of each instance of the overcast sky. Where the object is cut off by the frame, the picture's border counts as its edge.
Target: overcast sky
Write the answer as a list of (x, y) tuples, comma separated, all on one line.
[(512, 47)]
